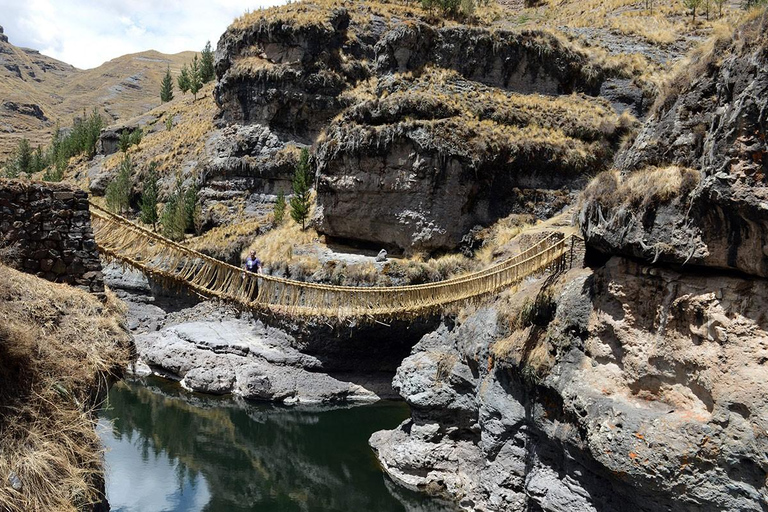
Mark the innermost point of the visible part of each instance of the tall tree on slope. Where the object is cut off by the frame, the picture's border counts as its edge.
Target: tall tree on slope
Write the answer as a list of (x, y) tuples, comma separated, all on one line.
[(166, 88), (195, 81), (302, 180), (207, 72)]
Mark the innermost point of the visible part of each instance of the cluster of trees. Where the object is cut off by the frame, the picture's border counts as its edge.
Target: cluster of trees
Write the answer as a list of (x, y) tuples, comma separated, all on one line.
[(192, 76), (180, 210), (178, 213), (703, 5), (81, 139)]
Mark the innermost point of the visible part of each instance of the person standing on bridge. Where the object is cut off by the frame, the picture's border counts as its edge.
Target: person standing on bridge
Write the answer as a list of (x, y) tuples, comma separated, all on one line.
[(253, 264)]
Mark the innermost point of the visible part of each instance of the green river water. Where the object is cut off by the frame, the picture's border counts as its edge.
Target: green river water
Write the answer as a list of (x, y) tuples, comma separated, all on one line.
[(170, 450)]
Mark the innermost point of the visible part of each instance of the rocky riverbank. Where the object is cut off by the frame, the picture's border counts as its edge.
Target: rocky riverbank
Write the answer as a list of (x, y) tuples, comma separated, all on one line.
[(625, 386), (210, 347)]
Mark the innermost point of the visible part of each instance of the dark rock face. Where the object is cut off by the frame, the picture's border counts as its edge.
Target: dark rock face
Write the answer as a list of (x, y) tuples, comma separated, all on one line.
[(287, 77), (618, 403), (46, 230), (25, 109), (508, 60), (714, 123), (413, 169)]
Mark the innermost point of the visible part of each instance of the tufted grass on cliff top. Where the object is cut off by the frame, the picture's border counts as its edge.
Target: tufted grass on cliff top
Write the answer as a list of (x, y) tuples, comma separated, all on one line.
[(57, 345), (751, 34), (440, 93), (648, 187), (478, 122), (669, 20), (306, 13)]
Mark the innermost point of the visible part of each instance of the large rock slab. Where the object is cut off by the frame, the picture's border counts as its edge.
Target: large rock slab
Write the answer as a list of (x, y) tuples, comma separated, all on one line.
[(249, 360)]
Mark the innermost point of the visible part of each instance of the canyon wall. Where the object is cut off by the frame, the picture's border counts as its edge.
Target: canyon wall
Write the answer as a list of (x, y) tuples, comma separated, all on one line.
[(418, 132)]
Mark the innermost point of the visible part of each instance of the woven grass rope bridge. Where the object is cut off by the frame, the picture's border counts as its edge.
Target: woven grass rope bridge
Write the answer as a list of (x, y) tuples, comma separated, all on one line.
[(170, 262)]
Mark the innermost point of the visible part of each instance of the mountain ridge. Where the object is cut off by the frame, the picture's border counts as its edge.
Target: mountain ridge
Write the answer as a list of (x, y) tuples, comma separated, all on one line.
[(38, 91)]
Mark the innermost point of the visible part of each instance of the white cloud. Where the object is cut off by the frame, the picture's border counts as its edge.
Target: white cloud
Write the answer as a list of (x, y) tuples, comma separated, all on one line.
[(87, 33)]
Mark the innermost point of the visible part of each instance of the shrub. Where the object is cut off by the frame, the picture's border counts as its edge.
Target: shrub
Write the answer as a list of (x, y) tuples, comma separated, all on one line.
[(119, 190), (279, 209)]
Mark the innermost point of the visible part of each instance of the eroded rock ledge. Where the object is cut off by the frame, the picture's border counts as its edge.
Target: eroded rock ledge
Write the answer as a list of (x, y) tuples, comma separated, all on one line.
[(713, 121), (642, 390)]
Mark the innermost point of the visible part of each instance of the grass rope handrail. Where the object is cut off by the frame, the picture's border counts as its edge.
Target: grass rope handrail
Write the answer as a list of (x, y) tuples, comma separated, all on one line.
[(134, 245)]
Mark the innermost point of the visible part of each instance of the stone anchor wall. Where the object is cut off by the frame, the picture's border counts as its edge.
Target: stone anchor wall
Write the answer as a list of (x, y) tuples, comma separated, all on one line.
[(45, 230)]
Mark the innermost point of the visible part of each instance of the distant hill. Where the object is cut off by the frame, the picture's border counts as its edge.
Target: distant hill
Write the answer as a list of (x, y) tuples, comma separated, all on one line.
[(36, 90)]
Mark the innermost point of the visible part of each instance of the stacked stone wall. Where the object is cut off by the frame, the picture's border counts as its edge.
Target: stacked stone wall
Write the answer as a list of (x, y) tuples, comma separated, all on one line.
[(45, 230)]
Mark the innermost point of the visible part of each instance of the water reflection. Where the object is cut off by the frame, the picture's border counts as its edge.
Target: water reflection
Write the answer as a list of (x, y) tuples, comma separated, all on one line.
[(169, 450)]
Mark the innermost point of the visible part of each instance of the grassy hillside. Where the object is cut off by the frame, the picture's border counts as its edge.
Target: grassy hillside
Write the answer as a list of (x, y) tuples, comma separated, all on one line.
[(37, 91)]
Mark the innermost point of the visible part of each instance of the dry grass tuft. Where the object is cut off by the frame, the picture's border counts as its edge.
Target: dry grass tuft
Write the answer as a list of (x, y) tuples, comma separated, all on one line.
[(281, 247), (641, 189), (227, 242), (57, 346)]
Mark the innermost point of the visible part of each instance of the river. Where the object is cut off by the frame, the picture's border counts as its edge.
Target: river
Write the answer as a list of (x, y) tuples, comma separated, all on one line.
[(170, 450)]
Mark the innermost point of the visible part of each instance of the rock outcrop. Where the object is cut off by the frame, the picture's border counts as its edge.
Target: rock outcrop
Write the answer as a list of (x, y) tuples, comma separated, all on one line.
[(713, 121), (212, 348), (410, 122), (627, 387), (419, 162), (501, 58), (252, 361)]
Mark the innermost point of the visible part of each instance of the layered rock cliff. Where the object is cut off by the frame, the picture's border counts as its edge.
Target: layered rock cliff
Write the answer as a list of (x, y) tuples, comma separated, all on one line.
[(411, 124), (713, 122)]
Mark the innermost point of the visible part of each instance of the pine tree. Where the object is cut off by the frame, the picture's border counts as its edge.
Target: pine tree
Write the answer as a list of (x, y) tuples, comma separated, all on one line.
[(124, 141), (207, 72), (195, 81), (119, 190), (38, 160), (183, 79), (149, 198), (24, 156), (279, 210), (302, 181), (166, 89), (179, 211)]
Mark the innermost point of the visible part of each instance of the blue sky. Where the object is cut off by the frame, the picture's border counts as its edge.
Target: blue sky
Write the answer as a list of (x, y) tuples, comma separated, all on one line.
[(86, 33)]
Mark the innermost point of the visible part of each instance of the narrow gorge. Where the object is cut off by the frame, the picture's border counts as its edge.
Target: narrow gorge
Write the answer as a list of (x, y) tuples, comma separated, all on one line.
[(574, 192)]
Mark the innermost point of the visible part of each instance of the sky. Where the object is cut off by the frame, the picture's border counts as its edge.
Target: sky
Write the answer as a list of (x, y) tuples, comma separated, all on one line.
[(87, 33)]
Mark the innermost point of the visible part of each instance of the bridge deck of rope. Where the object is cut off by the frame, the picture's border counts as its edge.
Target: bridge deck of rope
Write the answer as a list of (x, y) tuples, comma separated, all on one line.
[(163, 259)]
